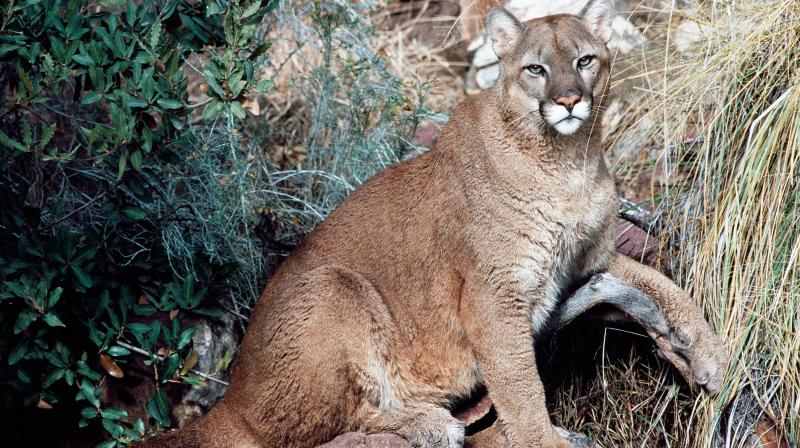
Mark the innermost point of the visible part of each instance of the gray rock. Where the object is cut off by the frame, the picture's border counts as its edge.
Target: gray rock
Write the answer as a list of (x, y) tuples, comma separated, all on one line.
[(211, 341)]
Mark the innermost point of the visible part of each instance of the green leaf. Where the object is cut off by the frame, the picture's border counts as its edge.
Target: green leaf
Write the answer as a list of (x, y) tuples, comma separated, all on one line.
[(24, 320), (48, 132), (123, 162), (195, 380), (23, 376), (185, 337), (167, 103), (117, 351), (238, 110), (107, 444), (89, 392), (27, 134), (210, 312), (7, 141), (26, 80), (115, 429), (54, 297), (91, 98), (83, 59), (54, 376), (170, 367), (136, 102), (158, 407), (53, 320), (134, 213), (155, 34), (136, 160), (94, 334), (138, 426), (89, 413), (213, 108), (86, 371), (143, 57), (271, 5), (5, 48), (17, 353), (114, 413), (82, 277), (235, 83), (212, 82), (252, 9)]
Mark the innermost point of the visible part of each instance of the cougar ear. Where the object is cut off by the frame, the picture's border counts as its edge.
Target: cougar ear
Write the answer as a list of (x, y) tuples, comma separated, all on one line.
[(598, 14), (503, 30)]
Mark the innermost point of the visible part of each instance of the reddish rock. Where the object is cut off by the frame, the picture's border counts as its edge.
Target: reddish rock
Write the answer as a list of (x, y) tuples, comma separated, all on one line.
[(636, 243), (427, 134)]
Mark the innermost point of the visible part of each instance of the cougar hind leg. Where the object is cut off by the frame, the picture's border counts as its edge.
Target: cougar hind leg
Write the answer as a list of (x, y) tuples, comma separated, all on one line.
[(322, 356), (351, 317), (220, 428)]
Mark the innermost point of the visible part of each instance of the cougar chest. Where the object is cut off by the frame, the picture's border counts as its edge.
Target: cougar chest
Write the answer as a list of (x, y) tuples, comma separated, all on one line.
[(574, 217)]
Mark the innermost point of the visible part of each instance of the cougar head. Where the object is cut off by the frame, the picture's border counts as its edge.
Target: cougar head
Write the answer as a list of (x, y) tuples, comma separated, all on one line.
[(553, 70)]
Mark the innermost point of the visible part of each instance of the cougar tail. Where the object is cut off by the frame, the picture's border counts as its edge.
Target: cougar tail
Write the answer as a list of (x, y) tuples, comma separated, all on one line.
[(220, 428)]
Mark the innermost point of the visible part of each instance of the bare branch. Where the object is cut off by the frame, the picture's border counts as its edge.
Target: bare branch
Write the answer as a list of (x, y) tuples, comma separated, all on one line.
[(143, 352)]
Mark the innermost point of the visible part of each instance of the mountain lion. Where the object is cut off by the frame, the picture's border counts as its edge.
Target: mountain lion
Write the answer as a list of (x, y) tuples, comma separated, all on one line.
[(437, 274)]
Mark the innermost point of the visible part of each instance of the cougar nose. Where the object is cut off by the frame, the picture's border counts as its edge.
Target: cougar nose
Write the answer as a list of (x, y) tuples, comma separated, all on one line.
[(568, 101)]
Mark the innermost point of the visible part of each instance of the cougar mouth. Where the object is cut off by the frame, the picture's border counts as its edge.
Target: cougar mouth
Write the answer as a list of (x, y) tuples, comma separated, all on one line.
[(570, 117), (565, 121)]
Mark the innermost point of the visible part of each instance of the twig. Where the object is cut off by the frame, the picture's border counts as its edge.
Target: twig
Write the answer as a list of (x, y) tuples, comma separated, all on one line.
[(74, 212), (638, 215), (161, 358)]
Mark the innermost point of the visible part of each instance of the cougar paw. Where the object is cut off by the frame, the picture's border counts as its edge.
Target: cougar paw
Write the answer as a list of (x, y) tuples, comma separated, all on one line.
[(699, 356), (577, 440), (447, 434)]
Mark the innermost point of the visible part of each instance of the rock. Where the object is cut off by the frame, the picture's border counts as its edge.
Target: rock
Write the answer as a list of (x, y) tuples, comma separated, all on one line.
[(212, 341), (624, 35), (427, 134), (484, 54), (487, 76), (635, 242), (360, 440)]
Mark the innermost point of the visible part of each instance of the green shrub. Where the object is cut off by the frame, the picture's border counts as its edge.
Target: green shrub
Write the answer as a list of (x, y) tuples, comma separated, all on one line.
[(94, 132)]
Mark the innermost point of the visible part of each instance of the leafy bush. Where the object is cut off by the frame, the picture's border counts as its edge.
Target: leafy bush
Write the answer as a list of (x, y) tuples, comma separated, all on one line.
[(94, 120)]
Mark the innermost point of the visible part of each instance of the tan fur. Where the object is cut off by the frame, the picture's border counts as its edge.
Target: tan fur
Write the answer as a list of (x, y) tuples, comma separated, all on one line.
[(429, 279)]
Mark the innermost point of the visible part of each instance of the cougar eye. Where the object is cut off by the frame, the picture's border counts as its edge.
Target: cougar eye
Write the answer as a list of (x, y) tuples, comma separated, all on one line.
[(585, 61), (535, 70)]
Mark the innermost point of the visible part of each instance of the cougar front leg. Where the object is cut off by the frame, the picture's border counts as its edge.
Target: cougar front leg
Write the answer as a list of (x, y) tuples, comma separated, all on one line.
[(497, 321), (690, 344)]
